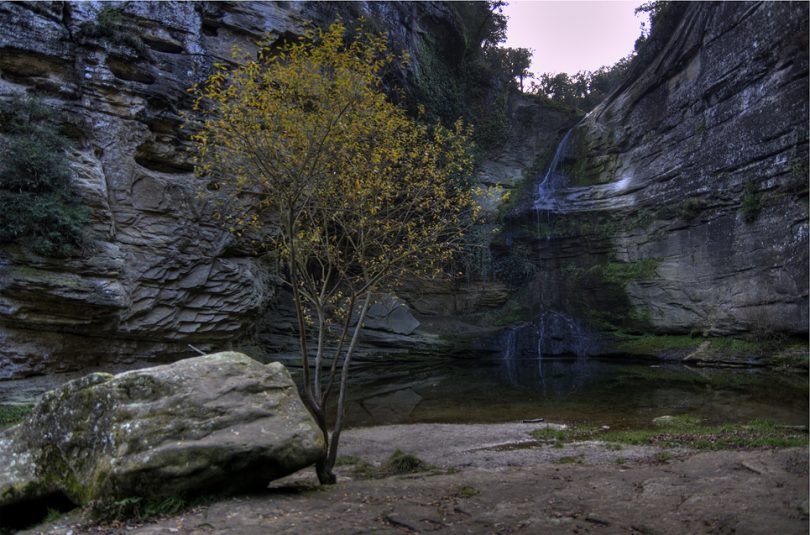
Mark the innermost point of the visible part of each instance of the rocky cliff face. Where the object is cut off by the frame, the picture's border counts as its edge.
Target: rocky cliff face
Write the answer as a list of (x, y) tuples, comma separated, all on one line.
[(685, 207), (161, 275)]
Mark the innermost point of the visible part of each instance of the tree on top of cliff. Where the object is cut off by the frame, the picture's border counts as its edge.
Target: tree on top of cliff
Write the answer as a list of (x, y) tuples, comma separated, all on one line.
[(359, 194)]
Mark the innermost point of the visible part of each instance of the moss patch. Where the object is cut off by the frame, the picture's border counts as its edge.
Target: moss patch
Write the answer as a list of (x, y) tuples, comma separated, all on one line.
[(795, 354), (399, 463), (690, 433)]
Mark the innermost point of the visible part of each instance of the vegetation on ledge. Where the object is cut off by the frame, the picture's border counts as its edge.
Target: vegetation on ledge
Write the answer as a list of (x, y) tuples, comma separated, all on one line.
[(38, 208)]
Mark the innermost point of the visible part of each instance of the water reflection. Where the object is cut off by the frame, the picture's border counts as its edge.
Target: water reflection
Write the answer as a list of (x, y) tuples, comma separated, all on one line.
[(569, 389)]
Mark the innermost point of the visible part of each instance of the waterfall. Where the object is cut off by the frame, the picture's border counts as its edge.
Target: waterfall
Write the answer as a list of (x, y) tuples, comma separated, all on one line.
[(553, 179), (509, 357), (558, 333), (541, 337)]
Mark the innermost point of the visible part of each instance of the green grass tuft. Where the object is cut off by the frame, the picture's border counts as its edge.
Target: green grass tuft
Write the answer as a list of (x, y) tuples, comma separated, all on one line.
[(468, 492), (347, 460), (404, 463), (13, 414), (568, 459)]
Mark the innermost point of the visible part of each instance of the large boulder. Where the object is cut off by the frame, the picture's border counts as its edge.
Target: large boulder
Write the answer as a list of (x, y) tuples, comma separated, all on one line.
[(216, 423)]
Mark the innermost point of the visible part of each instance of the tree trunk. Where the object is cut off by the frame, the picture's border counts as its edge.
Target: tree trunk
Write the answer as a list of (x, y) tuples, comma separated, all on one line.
[(324, 471)]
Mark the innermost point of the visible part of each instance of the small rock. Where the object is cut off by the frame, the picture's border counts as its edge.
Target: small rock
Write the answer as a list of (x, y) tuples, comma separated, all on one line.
[(590, 517)]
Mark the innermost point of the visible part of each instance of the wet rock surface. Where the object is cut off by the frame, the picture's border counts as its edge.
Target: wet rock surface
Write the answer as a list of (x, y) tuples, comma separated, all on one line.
[(220, 422)]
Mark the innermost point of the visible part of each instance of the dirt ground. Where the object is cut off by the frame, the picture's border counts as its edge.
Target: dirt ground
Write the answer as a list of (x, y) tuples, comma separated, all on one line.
[(495, 479)]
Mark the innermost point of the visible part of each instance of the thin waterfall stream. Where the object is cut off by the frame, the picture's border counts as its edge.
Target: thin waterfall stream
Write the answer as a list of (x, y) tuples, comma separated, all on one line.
[(553, 178)]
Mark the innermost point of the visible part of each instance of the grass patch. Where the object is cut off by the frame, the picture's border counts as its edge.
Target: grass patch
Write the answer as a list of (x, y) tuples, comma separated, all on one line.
[(684, 421), (753, 435), (687, 432), (467, 492), (347, 460), (136, 508), (399, 463), (650, 344), (568, 459), (558, 437), (13, 414), (404, 463)]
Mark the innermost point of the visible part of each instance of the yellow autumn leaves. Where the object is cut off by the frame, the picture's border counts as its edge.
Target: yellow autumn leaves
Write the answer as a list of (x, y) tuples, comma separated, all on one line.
[(303, 135)]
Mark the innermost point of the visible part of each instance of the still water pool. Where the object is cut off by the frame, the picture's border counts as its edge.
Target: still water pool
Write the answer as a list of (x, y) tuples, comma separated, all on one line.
[(621, 394)]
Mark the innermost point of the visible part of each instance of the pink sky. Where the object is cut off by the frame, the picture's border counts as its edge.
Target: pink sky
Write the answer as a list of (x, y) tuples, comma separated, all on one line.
[(574, 35)]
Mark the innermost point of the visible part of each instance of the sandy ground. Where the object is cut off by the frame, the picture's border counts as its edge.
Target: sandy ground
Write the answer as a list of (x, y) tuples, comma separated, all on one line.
[(495, 479)]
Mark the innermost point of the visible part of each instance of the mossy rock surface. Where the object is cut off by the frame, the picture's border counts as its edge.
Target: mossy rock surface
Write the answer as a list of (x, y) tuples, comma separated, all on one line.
[(216, 423)]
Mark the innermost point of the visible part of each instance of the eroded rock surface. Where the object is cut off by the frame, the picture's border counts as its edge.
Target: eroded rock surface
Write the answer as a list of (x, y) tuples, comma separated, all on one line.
[(162, 273), (216, 423)]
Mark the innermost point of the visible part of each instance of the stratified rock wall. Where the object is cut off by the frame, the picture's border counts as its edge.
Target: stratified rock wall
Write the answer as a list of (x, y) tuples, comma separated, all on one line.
[(715, 126), (161, 274)]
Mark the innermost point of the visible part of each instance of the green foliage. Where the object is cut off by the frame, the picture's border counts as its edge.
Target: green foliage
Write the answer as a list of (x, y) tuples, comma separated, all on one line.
[(692, 207), (13, 414), (38, 209), (467, 492), (438, 87), (109, 18), (109, 25), (752, 435), (664, 18), (347, 460), (583, 90), (568, 459), (652, 345), (404, 463), (751, 205), (399, 463), (591, 225), (615, 273), (472, 82), (52, 515), (523, 191), (514, 268)]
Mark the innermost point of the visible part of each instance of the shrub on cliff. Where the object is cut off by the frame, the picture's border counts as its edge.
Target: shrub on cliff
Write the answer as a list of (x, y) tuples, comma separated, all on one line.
[(38, 209)]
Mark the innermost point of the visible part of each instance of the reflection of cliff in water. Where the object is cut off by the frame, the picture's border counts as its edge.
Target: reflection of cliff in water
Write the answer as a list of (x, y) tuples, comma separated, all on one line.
[(568, 390), (548, 354)]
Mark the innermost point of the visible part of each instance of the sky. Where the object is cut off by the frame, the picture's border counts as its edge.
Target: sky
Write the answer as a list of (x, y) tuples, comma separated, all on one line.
[(571, 36)]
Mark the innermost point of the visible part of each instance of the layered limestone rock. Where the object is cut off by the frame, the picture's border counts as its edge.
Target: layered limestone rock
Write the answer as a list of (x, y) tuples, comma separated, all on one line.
[(161, 273), (696, 171), (216, 423)]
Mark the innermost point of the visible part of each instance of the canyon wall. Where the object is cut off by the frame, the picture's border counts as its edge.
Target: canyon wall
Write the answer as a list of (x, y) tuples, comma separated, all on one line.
[(160, 274), (685, 207)]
